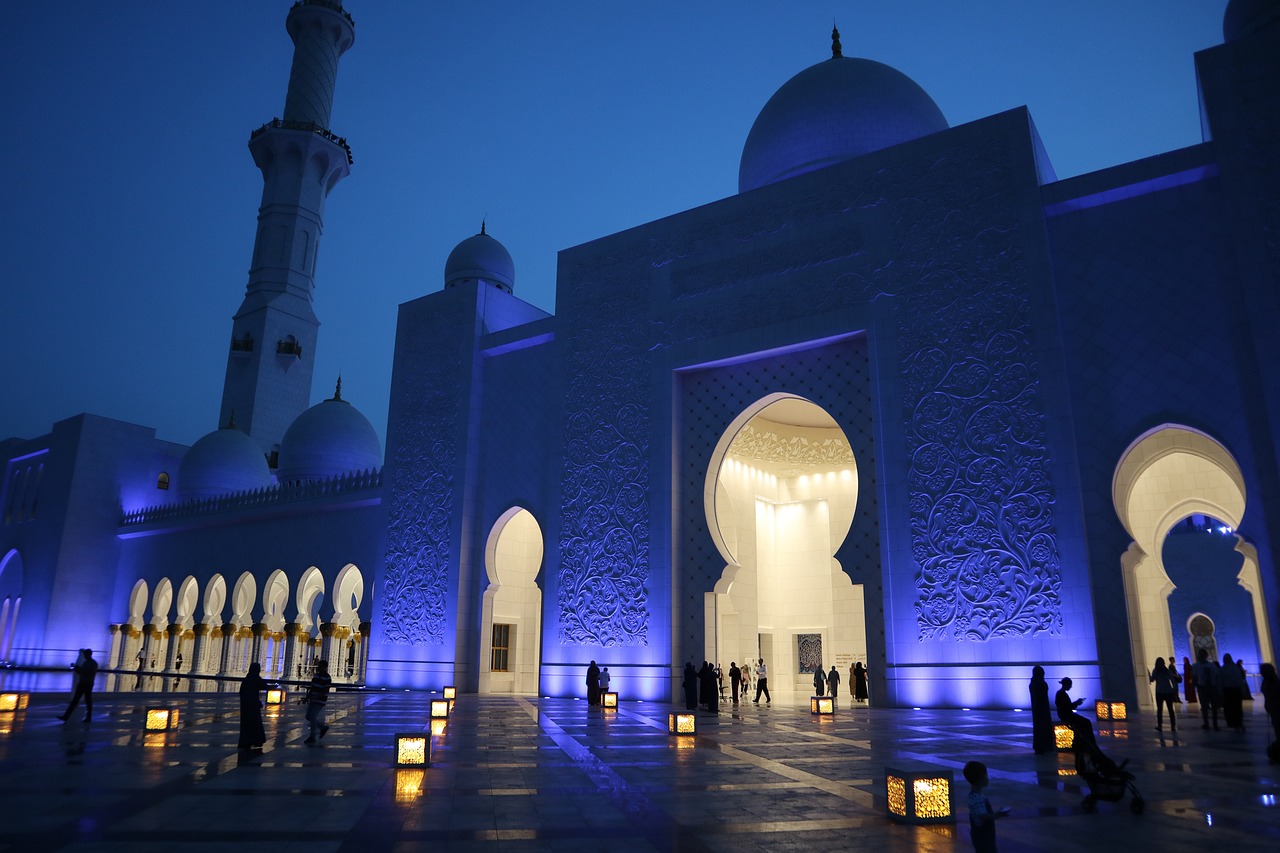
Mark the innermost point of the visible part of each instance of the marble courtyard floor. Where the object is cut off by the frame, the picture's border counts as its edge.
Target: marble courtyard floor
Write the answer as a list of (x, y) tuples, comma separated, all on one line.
[(525, 774)]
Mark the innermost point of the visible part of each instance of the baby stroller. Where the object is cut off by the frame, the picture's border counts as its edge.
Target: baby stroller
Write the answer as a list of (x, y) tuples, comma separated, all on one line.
[(1106, 780)]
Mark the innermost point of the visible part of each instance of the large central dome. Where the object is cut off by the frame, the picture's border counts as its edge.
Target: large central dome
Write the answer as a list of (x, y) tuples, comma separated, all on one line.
[(834, 111)]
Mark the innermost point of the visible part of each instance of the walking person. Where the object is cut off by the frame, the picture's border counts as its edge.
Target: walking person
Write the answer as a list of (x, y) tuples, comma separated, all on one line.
[(735, 679), (86, 670), (833, 682), (1231, 694), (1207, 685), (252, 734), (746, 679), (1166, 682), (762, 683), (1042, 740), (819, 682), (317, 697)]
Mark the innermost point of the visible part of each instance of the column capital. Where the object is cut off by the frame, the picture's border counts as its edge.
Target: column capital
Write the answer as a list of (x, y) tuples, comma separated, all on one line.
[(200, 629), (173, 630)]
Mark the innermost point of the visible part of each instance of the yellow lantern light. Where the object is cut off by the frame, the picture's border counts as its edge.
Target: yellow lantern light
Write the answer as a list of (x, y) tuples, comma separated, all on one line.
[(1063, 736), (439, 709), (437, 727), (610, 700), (918, 793), (451, 693), (822, 705), (275, 696), (681, 724), (409, 784), (161, 719), (413, 750), (10, 702)]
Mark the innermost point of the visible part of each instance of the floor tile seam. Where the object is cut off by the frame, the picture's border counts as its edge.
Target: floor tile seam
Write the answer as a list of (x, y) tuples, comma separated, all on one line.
[(812, 780), (633, 806)]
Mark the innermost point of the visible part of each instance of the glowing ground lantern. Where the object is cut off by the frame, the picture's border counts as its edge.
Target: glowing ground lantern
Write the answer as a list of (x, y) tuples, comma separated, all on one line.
[(1111, 710), (413, 750), (918, 793), (451, 693), (822, 705), (439, 709), (10, 702), (1064, 737), (161, 719), (275, 696), (681, 724), (609, 700), (437, 727)]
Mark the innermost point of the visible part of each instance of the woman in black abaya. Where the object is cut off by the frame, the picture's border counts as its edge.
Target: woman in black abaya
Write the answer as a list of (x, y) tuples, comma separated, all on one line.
[(1041, 713), (252, 735)]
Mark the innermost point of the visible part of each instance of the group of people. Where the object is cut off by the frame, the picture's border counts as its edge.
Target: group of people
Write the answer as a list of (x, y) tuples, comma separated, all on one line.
[(1214, 686), (253, 735), (704, 686), (597, 683)]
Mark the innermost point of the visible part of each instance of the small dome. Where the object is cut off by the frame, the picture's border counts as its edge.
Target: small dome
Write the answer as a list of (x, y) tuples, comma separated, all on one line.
[(326, 440), (480, 258), (831, 112), (220, 463), (1244, 17)]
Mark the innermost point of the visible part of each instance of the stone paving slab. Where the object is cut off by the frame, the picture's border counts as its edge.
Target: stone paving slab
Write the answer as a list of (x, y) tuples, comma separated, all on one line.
[(536, 774)]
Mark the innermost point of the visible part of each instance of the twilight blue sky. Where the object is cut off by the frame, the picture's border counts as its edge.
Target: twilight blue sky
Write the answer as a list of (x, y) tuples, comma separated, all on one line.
[(130, 197)]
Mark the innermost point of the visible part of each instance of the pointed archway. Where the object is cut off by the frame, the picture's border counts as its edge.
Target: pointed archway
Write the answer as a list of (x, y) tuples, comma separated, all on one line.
[(780, 498)]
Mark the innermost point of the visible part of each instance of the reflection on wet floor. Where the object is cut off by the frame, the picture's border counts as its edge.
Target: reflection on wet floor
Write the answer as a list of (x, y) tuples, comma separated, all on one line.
[(555, 774)]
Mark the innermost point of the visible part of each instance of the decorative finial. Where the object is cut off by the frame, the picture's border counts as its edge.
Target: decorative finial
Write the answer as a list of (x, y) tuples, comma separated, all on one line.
[(337, 392), (482, 226), (836, 51), (231, 422)]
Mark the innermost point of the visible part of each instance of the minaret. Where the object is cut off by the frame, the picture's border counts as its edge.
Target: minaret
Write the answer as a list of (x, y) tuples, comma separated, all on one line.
[(273, 335)]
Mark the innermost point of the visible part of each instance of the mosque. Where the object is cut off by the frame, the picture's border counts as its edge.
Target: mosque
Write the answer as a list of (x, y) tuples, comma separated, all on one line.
[(906, 398)]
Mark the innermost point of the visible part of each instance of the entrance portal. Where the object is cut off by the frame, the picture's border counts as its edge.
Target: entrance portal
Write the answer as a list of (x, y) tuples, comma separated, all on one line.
[(512, 608), (781, 495)]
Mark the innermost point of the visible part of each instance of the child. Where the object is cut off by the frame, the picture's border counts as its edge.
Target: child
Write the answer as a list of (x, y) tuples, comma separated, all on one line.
[(982, 820)]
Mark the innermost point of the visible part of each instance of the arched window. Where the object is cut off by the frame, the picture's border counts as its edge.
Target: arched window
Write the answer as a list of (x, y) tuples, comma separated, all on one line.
[(162, 482)]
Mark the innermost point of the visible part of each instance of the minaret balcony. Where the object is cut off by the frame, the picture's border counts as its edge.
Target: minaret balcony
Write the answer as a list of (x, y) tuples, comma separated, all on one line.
[(310, 127)]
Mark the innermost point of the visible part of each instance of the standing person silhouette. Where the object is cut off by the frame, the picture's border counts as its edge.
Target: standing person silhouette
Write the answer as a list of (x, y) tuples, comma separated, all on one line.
[(1041, 713), (819, 682), (690, 685), (593, 684), (252, 734), (859, 682), (762, 683), (833, 682), (735, 679), (86, 669), (1208, 685), (1166, 682)]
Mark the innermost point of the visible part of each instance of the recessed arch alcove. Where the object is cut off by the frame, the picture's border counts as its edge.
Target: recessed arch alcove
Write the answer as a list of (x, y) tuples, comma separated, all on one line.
[(1175, 481), (511, 620), (780, 498)]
